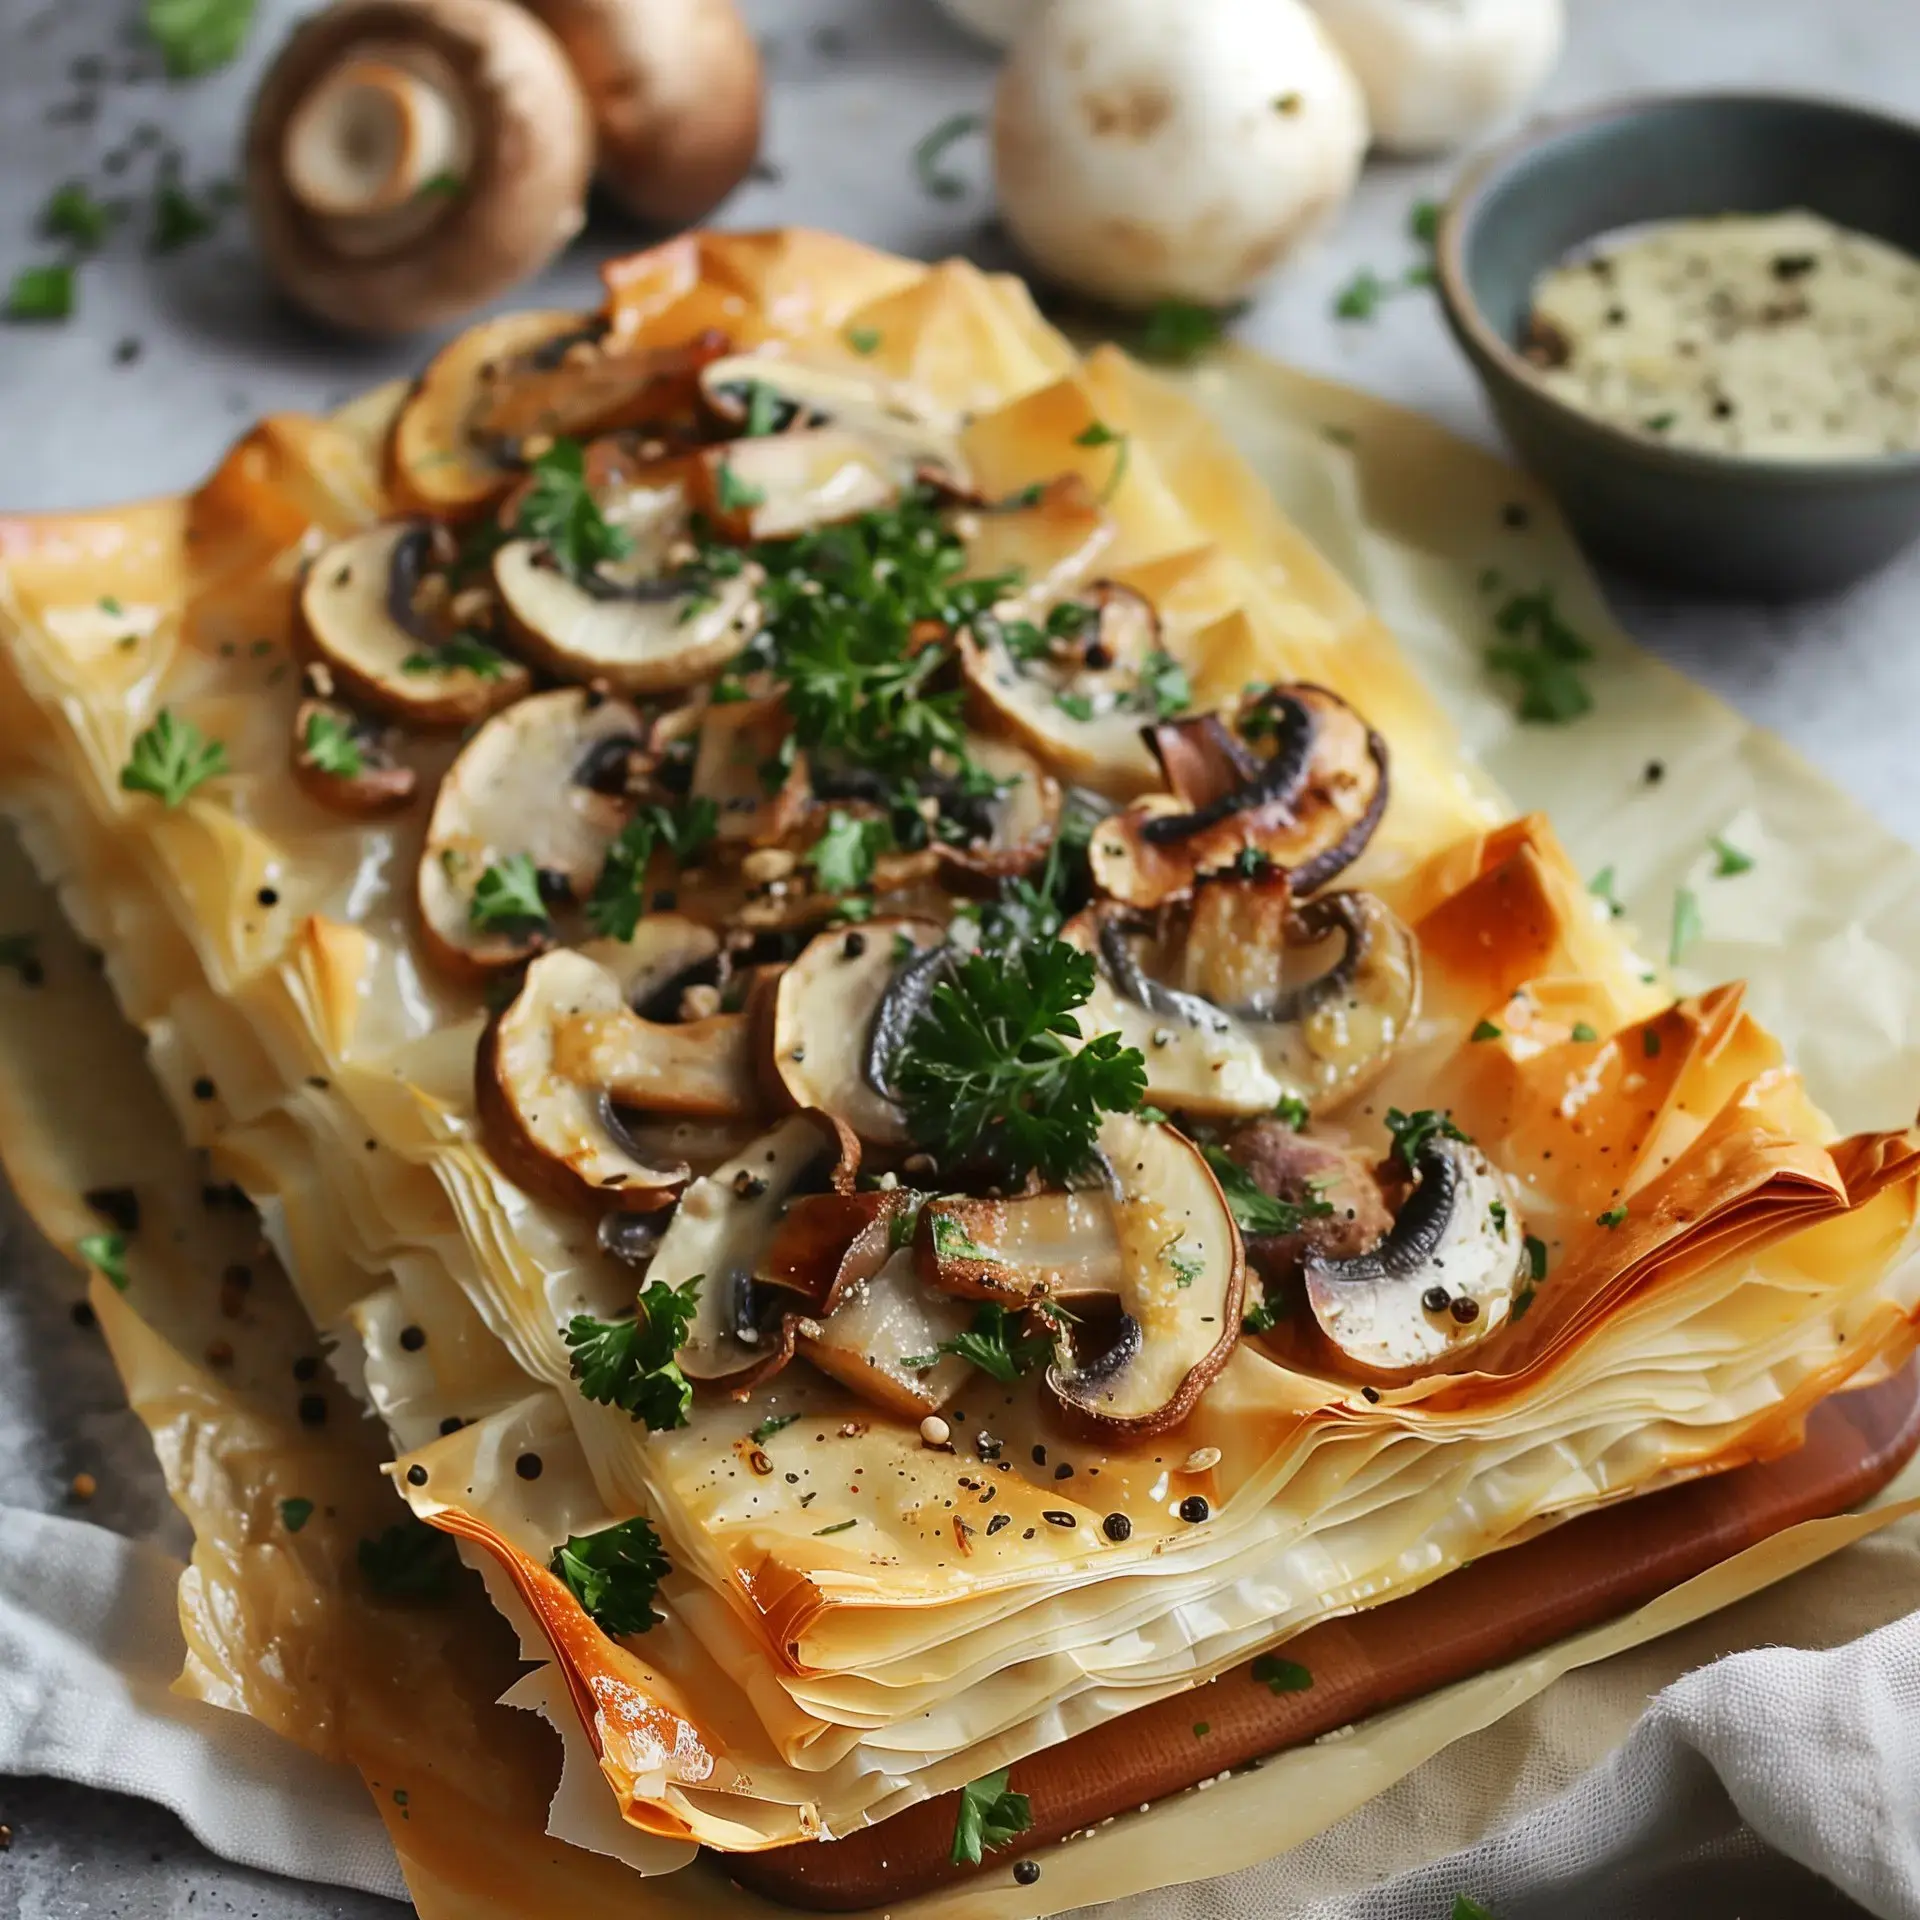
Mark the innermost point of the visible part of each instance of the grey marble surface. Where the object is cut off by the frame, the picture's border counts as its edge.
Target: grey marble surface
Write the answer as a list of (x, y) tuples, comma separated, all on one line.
[(855, 83)]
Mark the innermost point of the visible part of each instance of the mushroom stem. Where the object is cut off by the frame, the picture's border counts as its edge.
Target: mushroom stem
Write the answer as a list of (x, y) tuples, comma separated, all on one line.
[(370, 135)]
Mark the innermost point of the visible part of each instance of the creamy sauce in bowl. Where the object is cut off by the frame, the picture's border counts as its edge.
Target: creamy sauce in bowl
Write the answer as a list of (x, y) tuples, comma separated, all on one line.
[(1773, 336)]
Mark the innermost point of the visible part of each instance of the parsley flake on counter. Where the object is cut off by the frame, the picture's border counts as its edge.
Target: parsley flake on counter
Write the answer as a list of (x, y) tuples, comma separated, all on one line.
[(1360, 298), (1098, 434), (1543, 653), (990, 1817), (629, 1364), (462, 653), (1412, 1131), (1281, 1676), (41, 293), (843, 857), (1176, 331), (1254, 1209), (72, 213), (931, 149), (171, 758), (295, 1513), (329, 744), (1728, 859), (615, 1574), (1423, 222), (196, 36), (986, 1073), (178, 219), (1687, 925), (106, 1254), (508, 895), (559, 511), (409, 1561)]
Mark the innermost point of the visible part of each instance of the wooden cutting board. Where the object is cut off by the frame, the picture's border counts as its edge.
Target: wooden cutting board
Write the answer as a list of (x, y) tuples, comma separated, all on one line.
[(1577, 1576)]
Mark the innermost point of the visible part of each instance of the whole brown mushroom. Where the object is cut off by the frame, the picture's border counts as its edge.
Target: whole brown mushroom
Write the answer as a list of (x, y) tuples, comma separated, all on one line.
[(408, 160), (675, 90)]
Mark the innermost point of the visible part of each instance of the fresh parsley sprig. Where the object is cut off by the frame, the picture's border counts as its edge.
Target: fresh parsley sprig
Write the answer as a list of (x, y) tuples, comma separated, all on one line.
[(843, 857), (1254, 1209), (615, 1574), (990, 1817), (329, 745), (172, 757), (988, 1072), (619, 895), (507, 896), (559, 510), (630, 1364), (1412, 1131)]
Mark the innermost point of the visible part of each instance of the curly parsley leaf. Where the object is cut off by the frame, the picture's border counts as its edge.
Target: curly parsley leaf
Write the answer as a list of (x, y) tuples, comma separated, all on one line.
[(106, 1254), (629, 1364), (619, 895), (843, 857), (329, 745), (559, 510), (1412, 1131), (1254, 1209), (990, 1817), (614, 1574), (409, 1561), (507, 895), (171, 758), (989, 1073)]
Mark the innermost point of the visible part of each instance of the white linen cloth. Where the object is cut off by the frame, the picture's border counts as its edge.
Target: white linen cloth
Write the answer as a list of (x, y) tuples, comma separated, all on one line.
[(1815, 1752)]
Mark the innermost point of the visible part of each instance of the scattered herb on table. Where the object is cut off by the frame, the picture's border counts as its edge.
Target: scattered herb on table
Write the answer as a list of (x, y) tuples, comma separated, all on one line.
[(196, 36), (72, 213), (178, 219), (1543, 653), (930, 152), (41, 293)]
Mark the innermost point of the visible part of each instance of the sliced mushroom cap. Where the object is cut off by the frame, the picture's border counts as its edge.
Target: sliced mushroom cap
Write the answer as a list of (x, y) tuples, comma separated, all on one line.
[(783, 484), (835, 1012), (759, 394), (1180, 1288), (829, 1242), (1442, 1280), (1300, 784), (665, 947), (490, 398), (1238, 998), (364, 617), (1068, 681), (521, 788), (1005, 832), (363, 779), (722, 1231), (878, 1327), (558, 1137), (740, 741), (699, 1067), (1041, 1246)]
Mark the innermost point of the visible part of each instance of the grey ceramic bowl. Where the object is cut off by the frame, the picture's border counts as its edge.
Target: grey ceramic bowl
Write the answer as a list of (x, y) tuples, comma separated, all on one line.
[(1729, 525)]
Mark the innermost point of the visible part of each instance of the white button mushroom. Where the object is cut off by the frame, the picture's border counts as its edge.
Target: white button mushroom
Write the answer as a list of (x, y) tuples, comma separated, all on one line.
[(1437, 73), (1147, 151), (405, 164)]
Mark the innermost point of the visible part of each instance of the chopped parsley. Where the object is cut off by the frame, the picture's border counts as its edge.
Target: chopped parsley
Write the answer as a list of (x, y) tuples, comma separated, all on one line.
[(442, 186), (41, 293), (507, 895), (1601, 886), (178, 219), (1254, 1209), (839, 1526), (1164, 687), (409, 1561), (1176, 331), (295, 1513), (629, 1364), (1265, 1314), (1486, 1030), (1292, 1111), (1687, 925), (843, 857), (72, 213), (1186, 1267), (1613, 1217), (951, 1241), (1728, 859), (994, 1343), (106, 1254), (619, 894), (196, 36), (863, 340), (774, 1423), (329, 745), (930, 150), (1412, 1131), (1543, 654), (171, 758), (990, 1817), (1650, 1042), (1098, 434), (1536, 1250), (1466, 1907), (1584, 1033), (988, 1072), (1281, 1676), (1361, 297), (1423, 222), (462, 653), (733, 494), (1076, 706), (614, 1574), (559, 511)]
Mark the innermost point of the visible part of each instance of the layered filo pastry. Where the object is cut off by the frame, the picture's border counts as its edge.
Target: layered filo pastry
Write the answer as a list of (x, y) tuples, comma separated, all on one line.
[(890, 1037)]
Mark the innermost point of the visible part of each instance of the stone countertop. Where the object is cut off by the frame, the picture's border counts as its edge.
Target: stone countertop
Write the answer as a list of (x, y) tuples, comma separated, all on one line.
[(170, 356)]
